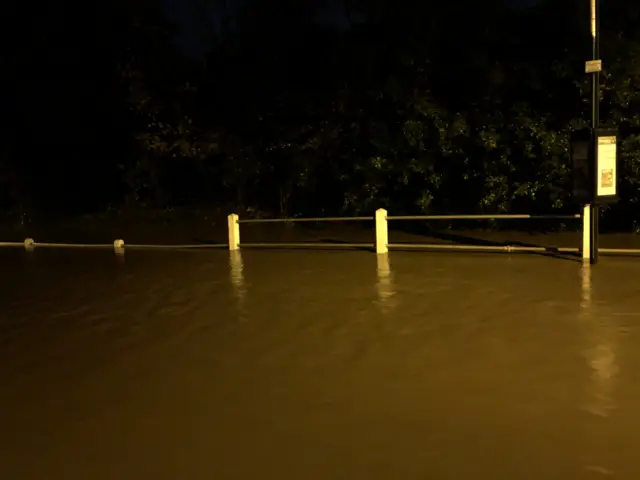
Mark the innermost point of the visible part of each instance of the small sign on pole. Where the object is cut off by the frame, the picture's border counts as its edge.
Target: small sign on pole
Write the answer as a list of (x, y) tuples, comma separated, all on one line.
[(593, 66)]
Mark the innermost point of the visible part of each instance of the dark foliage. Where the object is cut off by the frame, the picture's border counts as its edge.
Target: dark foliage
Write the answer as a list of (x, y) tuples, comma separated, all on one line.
[(459, 106)]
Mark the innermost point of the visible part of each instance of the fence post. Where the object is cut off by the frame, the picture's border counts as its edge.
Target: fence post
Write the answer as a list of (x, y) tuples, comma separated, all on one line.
[(118, 246), (29, 244), (382, 231), (234, 231), (586, 233)]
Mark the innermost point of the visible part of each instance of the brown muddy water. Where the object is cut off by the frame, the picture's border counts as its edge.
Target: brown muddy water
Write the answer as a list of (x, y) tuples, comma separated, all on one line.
[(317, 365)]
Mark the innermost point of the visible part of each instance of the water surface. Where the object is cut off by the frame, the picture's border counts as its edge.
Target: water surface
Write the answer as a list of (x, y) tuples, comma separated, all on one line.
[(317, 365)]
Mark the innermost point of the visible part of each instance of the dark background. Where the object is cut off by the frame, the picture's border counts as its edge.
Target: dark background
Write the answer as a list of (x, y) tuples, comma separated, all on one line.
[(309, 107)]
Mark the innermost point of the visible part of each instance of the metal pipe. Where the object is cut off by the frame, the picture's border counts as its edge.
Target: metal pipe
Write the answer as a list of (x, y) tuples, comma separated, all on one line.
[(297, 220), (309, 244), (621, 251), (426, 246), (167, 247), (73, 245), (484, 217), (105, 245), (488, 248)]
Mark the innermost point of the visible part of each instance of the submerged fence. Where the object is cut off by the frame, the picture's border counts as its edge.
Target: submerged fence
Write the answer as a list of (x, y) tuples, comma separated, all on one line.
[(380, 244), (118, 246)]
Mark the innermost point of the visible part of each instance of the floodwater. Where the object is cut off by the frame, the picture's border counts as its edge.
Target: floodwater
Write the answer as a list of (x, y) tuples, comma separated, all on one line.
[(317, 365)]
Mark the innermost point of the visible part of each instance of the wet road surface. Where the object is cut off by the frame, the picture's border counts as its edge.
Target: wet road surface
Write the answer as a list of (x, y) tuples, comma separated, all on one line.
[(317, 365)]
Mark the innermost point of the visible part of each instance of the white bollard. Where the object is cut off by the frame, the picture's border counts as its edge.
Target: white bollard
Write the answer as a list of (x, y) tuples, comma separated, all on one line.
[(586, 233), (29, 244), (118, 247), (234, 231), (382, 231)]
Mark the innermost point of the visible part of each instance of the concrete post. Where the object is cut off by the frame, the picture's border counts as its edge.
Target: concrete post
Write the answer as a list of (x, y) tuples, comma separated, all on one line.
[(382, 231), (118, 247), (234, 231), (586, 233), (29, 244)]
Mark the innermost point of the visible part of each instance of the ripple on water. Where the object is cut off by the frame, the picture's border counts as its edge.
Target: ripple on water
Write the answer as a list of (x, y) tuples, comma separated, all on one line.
[(318, 365)]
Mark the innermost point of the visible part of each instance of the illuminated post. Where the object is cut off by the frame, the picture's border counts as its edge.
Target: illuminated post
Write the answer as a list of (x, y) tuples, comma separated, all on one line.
[(118, 247), (234, 231), (29, 244), (586, 233), (382, 231)]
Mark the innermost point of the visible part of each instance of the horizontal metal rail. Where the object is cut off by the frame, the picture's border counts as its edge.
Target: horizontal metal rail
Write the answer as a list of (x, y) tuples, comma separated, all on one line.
[(12, 244), (110, 245), (305, 244), (484, 217), (394, 246), (487, 248), (297, 220), (619, 251), (72, 245), (170, 247)]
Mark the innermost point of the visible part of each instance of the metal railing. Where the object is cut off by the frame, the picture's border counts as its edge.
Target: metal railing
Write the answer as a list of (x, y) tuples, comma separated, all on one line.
[(486, 248), (485, 217), (118, 245), (380, 244), (297, 220)]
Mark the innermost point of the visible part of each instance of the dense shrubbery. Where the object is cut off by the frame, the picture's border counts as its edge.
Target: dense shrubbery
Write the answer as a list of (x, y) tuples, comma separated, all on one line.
[(465, 107)]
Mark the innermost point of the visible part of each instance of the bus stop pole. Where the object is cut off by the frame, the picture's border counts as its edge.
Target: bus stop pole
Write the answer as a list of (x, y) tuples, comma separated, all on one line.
[(595, 121)]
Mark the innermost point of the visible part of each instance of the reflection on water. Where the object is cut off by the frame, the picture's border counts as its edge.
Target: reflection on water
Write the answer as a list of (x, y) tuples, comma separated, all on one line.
[(585, 272), (236, 269), (385, 282), (140, 370), (600, 351)]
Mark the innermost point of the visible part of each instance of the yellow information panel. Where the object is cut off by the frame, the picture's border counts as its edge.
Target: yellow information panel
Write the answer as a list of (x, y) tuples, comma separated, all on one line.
[(607, 162)]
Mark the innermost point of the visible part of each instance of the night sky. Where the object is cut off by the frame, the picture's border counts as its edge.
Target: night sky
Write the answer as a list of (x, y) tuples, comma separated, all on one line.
[(199, 21)]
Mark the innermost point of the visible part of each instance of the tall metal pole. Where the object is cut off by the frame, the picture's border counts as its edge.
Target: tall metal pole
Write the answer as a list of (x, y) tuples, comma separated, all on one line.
[(595, 121)]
